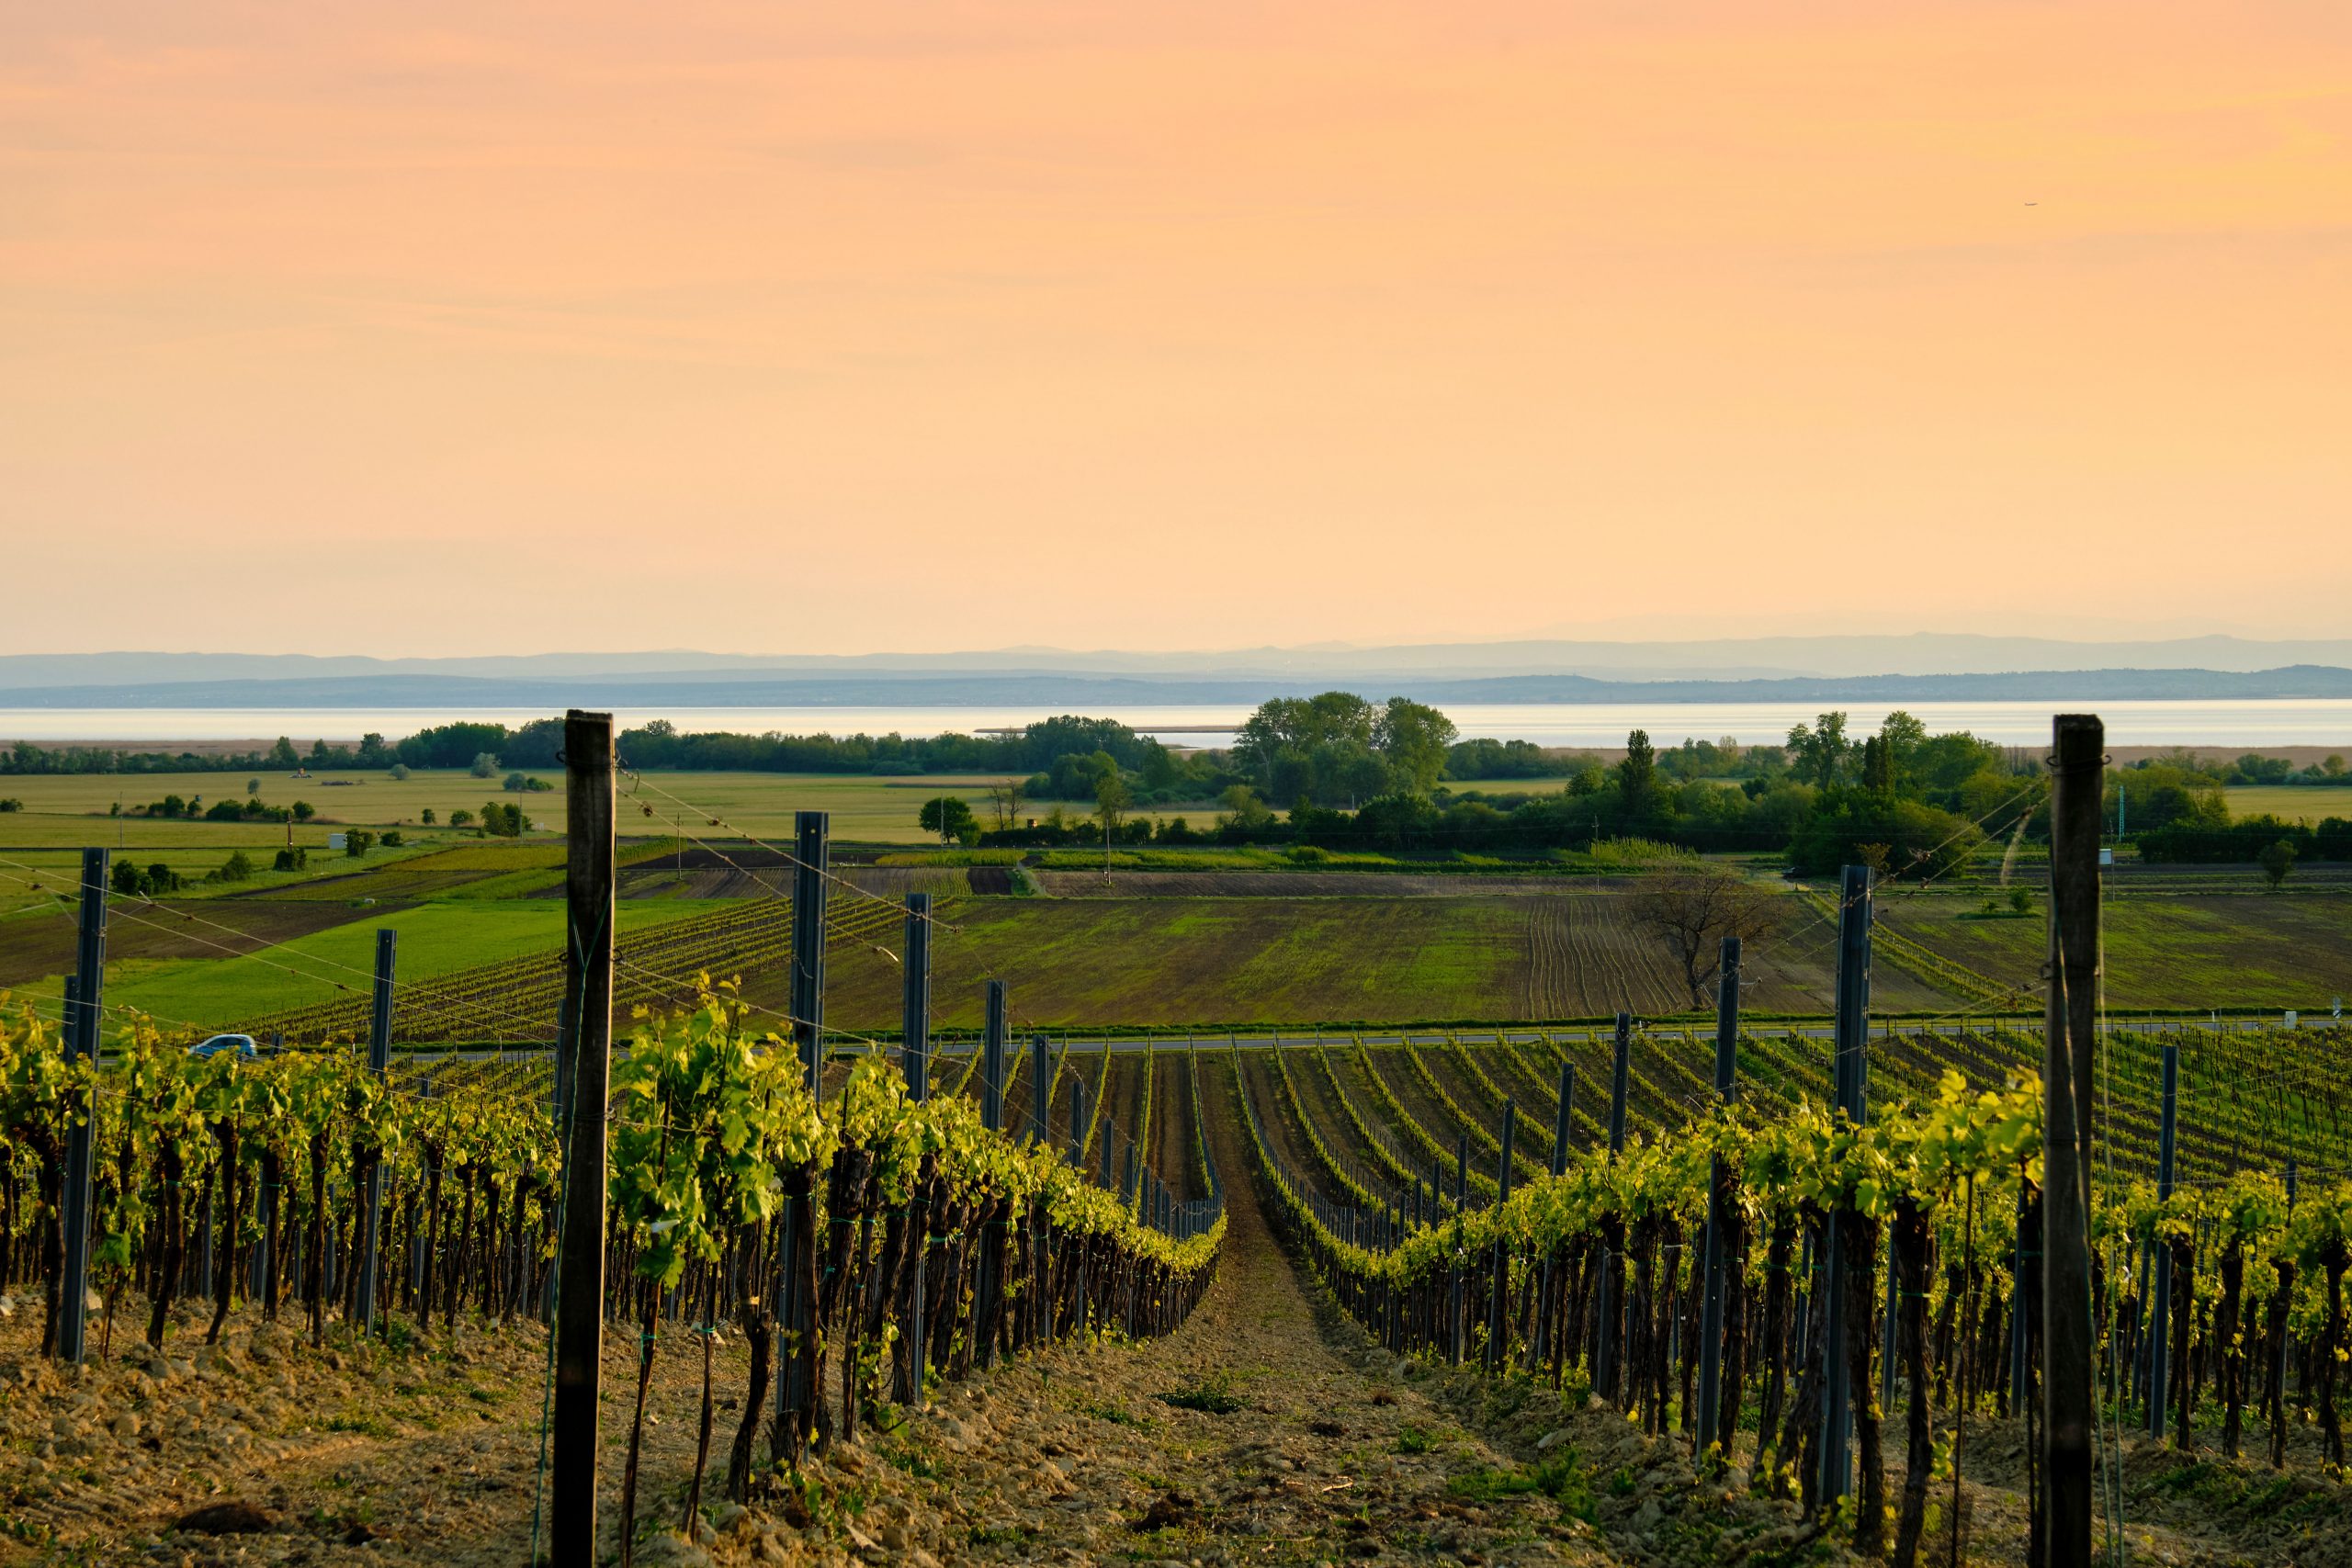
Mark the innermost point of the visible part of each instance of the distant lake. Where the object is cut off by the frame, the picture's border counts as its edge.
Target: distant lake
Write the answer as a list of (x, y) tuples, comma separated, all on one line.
[(2281, 722)]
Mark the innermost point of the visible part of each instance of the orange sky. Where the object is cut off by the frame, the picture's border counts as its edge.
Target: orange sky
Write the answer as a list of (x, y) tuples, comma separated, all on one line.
[(439, 328)]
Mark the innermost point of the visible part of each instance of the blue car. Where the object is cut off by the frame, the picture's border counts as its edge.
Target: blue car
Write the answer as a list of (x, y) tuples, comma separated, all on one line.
[(237, 1045)]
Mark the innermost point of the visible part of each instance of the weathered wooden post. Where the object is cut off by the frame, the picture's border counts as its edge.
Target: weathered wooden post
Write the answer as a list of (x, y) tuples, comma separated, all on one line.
[(85, 1003), (380, 1061), (990, 1281), (992, 1061), (914, 1057), (914, 1035), (2079, 766), (809, 889), (586, 1060), (1719, 1201), (1610, 1310), (1501, 1267), (1462, 1206), (2160, 1261), (1850, 1080), (1041, 1084)]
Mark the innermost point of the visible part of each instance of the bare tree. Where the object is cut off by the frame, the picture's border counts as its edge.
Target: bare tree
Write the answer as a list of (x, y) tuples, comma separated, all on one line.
[(1004, 797), (1693, 911)]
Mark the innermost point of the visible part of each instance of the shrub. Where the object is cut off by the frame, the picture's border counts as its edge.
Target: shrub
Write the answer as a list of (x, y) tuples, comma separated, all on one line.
[(485, 766), (427, 817), (357, 841), (460, 817), (302, 812), (10, 803), (399, 770), (391, 838), (236, 868), (291, 860)]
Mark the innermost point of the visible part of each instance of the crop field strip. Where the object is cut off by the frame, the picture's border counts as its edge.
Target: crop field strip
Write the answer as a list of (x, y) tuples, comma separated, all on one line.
[(652, 967), (2230, 1120)]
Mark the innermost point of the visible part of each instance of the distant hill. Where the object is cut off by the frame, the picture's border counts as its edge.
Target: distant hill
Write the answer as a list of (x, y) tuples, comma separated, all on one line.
[(1112, 693), (1259, 668)]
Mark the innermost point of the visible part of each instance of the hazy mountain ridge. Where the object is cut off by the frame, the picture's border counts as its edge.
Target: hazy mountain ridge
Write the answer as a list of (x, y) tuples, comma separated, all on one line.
[(1113, 693), (1719, 658)]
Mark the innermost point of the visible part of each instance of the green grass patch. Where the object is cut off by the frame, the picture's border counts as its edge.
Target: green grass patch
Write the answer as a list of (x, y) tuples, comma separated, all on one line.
[(1212, 1395), (1559, 1476), (950, 857)]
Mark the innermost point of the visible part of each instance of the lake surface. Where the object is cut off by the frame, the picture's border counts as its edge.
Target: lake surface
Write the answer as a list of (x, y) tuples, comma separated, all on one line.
[(2283, 722)]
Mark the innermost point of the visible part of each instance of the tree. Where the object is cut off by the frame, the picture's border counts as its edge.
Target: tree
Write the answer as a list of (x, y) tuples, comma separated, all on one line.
[(399, 770), (2277, 859), (1412, 739), (485, 766), (253, 786), (1878, 766), (1692, 911), (1243, 809), (1004, 802), (302, 812), (1637, 776), (1111, 803), (427, 817), (236, 868), (461, 817), (949, 816), (1817, 753), (356, 841), (1901, 735), (283, 754), (126, 880)]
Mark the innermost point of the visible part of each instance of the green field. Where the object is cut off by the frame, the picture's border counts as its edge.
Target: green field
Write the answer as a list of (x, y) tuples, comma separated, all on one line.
[(435, 939), (73, 810), (2291, 803), (2185, 951)]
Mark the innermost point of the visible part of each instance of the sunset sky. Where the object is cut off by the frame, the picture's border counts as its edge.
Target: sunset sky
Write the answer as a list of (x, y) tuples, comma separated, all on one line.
[(433, 328)]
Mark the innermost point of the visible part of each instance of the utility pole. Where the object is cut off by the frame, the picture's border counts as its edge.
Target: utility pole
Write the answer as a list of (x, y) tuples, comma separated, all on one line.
[(808, 945), (2078, 769), (86, 999), (586, 1063), (380, 1061), (1719, 1199), (1850, 1042)]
